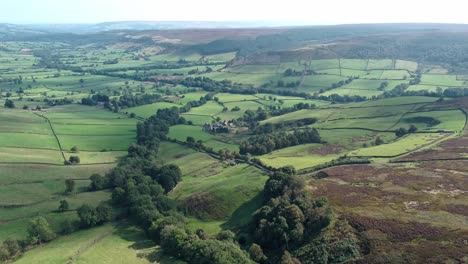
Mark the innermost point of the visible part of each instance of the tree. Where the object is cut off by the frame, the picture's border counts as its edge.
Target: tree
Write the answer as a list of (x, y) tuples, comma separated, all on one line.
[(4, 254), (39, 231), (226, 235), (69, 185), (12, 246), (256, 253), (63, 206), (74, 149), (103, 213), (201, 234), (9, 104), (401, 132), (190, 140), (67, 227), (74, 160), (412, 129), (378, 141), (87, 215), (98, 182)]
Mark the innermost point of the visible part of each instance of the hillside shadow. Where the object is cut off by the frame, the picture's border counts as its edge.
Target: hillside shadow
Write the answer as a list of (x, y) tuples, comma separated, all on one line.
[(146, 248), (243, 214)]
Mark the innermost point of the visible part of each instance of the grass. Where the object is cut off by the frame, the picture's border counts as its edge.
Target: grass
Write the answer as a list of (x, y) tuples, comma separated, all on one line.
[(298, 156), (24, 155), (181, 132), (95, 130), (87, 157), (452, 120), (355, 64), (187, 159), (146, 111), (401, 100), (51, 203), (441, 80), (97, 143), (23, 140), (401, 146), (31, 173), (210, 227), (407, 65), (211, 108), (220, 189), (197, 119)]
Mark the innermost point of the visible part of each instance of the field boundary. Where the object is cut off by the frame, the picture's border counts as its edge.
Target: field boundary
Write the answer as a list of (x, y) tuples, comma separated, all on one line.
[(55, 135)]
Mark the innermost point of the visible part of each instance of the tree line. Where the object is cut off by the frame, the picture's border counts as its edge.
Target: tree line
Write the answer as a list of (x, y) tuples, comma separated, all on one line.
[(266, 143)]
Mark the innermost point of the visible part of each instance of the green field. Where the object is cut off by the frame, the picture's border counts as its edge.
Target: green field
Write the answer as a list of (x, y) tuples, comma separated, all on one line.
[(398, 147), (119, 243), (146, 111)]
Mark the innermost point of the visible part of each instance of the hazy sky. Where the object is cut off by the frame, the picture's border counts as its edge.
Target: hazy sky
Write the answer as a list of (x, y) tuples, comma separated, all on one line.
[(316, 12)]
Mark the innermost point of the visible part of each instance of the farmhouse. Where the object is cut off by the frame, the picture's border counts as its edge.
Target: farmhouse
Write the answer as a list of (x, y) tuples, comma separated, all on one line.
[(219, 127)]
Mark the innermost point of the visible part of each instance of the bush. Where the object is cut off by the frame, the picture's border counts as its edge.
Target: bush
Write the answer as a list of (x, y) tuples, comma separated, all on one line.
[(9, 104), (74, 149), (39, 231), (74, 160), (63, 206)]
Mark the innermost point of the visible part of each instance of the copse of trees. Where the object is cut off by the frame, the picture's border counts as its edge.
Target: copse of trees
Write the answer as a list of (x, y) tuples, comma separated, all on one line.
[(92, 216), (291, 220), (9, 103), (403, 131), (39, 231), (266, 143)]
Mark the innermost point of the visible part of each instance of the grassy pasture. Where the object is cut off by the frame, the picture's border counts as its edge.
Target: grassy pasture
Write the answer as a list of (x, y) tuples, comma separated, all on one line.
[(401, 100), (406, 65), (30, 193), (394, 74), (380, 64), (323, 64), (22, 140), (398, 147), (97, 143), (108, 244), (197, 119), (87, 157), (253, 69), (18, 229), (298, 156), (381, 123), (181, 132), (189, 160), (221, 57), (94, 130), (31, 173), (146, 111), (452, 120), (246, 78), (422, 87), (353, 91), (227, 188), (26, 155), (226, 97), (355, 64), (211, 108), (19, 217), (320, 81), (353, 73), (441, 80)]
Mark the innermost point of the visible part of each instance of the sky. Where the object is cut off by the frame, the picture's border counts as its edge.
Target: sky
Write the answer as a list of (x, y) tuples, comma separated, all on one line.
[(308, 11)]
